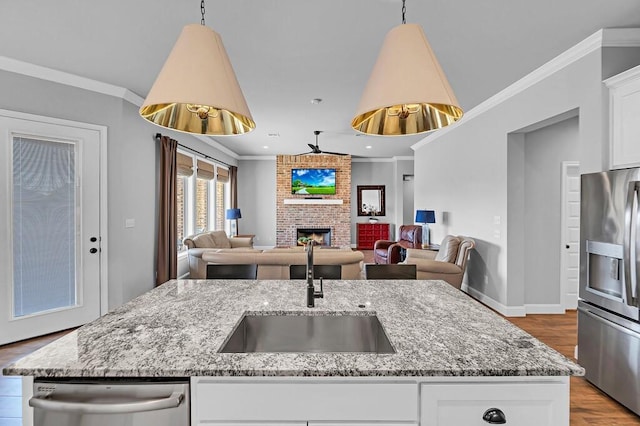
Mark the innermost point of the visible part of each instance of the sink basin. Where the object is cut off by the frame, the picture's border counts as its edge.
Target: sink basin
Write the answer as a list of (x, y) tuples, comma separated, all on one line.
[(308, 333)]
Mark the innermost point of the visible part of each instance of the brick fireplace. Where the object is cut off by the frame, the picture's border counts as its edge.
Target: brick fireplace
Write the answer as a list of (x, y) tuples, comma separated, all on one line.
[(330, 211)]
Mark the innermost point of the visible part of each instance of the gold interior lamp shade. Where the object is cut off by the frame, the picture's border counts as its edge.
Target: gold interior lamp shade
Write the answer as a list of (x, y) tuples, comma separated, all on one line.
[(197, 90), (407, 92)]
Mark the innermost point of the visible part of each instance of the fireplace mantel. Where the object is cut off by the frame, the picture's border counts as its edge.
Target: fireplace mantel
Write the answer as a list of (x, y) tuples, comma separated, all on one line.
[(312, 201)]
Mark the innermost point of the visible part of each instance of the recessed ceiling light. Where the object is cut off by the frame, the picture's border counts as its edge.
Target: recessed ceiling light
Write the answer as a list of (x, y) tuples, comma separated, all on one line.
[(316, 101), (368, 146), (265, 147), (273, 135)]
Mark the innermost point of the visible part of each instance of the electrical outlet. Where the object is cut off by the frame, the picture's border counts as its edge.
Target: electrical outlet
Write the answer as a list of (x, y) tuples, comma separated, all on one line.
[(497, 220), (496, 234)]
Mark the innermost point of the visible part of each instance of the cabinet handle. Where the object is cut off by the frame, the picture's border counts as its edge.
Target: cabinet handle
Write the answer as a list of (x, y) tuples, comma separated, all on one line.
[(494, 416)]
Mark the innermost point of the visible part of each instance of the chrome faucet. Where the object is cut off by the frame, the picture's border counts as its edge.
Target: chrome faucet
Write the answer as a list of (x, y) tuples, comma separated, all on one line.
[(312, 294)]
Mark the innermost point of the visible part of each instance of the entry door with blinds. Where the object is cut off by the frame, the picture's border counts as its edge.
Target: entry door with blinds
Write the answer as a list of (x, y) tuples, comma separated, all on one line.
[(49, 227)]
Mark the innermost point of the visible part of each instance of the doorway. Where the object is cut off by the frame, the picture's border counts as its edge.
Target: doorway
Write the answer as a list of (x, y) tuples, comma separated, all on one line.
[(536, 222), (50, 225), (407, 199)]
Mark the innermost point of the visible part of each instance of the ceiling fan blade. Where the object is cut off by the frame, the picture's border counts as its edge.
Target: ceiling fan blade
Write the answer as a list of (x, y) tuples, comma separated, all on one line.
[(334, 153), (305, 153)]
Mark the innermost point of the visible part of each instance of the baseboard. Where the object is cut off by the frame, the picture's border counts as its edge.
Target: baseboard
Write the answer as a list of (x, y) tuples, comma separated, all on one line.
[(507, 311), (544, 308)]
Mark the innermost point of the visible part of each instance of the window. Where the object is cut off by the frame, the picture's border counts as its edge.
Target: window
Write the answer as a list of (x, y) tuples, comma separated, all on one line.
[(201, 196)]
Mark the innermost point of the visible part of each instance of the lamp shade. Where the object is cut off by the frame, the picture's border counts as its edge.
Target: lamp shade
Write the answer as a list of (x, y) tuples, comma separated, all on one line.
[(407, 92), (425, 216), (234, 214), (197, 90)]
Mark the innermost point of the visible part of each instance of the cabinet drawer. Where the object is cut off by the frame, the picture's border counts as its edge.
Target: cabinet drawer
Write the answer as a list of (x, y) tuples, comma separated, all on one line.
[(248, 401), (523, 404)]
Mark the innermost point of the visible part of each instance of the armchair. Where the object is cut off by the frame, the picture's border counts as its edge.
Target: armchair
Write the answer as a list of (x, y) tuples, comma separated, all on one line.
[(387, 252), (449, 264)]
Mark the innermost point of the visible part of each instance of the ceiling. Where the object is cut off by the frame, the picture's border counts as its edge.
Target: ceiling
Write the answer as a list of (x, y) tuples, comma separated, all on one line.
[(287, 52)]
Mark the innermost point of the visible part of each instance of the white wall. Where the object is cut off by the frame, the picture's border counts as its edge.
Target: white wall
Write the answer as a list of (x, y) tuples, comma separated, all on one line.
[(132, 167), (462, 172)]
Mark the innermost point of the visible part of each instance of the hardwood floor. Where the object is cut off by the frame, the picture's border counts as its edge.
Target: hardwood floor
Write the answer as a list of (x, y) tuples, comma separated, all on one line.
[(589, 406)]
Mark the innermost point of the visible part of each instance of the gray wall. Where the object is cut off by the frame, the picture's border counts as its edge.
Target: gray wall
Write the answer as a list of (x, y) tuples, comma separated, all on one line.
[(131, 167), (374, 173), (257, 200), (463, 172), (540, 220)]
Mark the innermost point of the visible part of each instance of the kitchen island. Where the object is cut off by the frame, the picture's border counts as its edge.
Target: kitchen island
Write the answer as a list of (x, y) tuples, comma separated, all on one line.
[(453, 357)]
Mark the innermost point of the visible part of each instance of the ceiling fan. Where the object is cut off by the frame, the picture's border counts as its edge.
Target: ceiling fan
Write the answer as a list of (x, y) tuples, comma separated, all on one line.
[(315, 149)]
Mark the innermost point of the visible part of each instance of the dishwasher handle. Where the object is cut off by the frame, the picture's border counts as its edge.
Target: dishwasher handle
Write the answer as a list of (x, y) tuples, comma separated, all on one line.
[(49, 404)]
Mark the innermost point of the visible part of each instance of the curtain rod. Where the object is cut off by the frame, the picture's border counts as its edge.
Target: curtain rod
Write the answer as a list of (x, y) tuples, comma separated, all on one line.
[(158, 136)]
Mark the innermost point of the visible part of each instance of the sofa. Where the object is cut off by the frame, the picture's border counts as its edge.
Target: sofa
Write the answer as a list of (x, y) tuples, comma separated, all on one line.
[(273, 264), (448, 264), (390, 252), (201, 243)]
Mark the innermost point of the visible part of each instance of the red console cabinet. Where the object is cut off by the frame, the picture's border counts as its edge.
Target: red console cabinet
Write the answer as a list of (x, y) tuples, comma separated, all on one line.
[(369, 233)]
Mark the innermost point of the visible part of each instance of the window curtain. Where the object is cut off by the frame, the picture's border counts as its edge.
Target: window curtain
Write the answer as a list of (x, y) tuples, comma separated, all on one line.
[(233, 183), (167, 256)]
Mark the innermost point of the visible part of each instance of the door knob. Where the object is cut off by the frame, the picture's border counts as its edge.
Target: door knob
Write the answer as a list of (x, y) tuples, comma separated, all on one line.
[(494, 416), (567, 246), (93, 250), (93, 239)]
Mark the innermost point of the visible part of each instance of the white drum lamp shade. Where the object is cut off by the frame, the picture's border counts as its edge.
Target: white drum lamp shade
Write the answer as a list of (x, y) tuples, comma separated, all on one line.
[(407, 92), (197, 90)]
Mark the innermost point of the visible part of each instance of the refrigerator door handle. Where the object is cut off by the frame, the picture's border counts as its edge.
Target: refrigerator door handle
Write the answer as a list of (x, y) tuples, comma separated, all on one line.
[(631, 221)]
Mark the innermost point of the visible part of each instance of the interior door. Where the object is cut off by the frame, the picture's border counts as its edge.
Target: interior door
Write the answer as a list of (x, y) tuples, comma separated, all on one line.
[(570, 262), (49, 227)]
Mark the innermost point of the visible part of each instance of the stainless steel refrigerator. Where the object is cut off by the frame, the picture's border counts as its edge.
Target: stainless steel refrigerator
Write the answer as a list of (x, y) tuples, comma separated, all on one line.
[(608, 313)]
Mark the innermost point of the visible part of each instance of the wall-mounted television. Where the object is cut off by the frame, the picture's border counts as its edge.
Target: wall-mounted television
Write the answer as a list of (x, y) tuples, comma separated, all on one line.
[(313, 181)]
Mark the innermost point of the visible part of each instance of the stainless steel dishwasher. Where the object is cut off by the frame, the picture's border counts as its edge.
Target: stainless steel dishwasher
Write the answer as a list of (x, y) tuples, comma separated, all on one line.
[(132, 403)]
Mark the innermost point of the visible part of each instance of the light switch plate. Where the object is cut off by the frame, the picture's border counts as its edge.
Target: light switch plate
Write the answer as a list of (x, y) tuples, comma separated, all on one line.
[(129, 223)]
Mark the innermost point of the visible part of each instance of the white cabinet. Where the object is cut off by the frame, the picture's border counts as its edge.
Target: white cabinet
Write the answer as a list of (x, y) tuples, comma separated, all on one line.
[(297, 400), (522, 404), (624, 113), (418, 401)]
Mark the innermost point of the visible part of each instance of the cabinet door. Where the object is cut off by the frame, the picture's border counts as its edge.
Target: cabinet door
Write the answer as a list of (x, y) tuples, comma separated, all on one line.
[(523, 404), (303, 401), (625, 126)]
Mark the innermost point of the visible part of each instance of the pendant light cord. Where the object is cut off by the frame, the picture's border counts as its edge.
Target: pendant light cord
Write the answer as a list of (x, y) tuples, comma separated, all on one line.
[(404, 10), (202, 12)]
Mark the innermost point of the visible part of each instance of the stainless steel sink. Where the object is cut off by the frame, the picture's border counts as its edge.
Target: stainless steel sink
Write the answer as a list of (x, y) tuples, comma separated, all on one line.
[(308, 333)]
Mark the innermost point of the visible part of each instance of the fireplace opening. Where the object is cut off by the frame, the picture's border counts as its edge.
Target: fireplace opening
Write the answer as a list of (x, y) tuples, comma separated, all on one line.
[(322, 236)]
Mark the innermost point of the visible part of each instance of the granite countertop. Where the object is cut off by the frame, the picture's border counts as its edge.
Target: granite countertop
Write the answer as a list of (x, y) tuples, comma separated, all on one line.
[(177, 329)]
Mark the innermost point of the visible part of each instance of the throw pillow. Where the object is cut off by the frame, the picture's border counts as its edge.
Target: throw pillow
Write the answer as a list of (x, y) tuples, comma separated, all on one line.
[(448, 249)]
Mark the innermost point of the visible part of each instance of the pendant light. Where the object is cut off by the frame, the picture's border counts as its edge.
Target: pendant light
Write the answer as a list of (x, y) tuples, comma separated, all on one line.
[(197, 90), (407, 92)]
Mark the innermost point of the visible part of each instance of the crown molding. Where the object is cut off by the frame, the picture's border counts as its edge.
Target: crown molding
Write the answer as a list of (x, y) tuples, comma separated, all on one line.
[(68, 79), (257, 157), (608, 37), (74, 80)]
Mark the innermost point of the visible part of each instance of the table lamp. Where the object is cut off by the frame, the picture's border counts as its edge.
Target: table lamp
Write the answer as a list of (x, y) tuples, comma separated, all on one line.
[(234, 214), (425, 217)]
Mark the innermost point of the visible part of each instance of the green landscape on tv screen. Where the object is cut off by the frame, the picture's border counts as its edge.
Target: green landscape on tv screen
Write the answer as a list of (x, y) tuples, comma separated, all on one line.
[(313, 181)]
